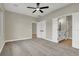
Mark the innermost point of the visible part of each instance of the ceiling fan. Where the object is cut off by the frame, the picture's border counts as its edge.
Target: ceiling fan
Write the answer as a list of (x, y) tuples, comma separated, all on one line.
[(38, 8)]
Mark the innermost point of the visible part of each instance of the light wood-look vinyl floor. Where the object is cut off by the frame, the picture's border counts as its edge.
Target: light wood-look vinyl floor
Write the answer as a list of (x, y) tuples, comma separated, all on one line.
[(37, 47), (67, 42)]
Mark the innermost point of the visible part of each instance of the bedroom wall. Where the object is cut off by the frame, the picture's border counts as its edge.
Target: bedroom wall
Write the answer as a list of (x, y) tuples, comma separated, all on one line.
[(17, 26), (2, 36), (75, 30)]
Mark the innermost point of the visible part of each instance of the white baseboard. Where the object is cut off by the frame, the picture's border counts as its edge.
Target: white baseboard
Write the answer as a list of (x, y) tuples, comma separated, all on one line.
[(48, 39), (17, 39), (69, 38), (12, 41), (2, 47), (51, 40)]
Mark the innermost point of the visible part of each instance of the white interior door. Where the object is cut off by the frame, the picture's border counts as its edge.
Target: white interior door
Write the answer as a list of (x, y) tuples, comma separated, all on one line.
[(41, 29)]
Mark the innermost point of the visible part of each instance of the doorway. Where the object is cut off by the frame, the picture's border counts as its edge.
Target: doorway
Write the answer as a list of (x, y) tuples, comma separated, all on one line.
[(34, 30), (65, 30)]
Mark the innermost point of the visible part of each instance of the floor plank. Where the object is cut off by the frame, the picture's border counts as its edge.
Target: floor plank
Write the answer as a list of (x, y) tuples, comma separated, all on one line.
[(67, 42)]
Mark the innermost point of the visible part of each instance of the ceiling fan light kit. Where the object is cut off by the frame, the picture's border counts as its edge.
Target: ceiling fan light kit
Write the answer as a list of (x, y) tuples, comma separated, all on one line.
[(38, 8)]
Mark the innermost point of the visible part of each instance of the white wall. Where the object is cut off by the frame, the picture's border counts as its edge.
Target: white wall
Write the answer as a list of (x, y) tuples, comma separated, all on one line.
[(18, 26), (2, 38), (75, 30)]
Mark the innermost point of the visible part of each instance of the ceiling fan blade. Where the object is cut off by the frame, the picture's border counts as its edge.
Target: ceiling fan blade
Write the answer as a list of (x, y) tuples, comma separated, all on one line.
[(38, 4), (44, 7), (31, 7), (34, 11), (41, 11)]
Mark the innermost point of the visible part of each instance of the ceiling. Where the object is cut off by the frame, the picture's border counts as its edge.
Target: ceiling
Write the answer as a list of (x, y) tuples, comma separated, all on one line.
[(22, 8)]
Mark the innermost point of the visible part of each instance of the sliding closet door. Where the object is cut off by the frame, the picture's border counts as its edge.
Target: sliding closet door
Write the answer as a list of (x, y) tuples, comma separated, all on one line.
[(75, 30)]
